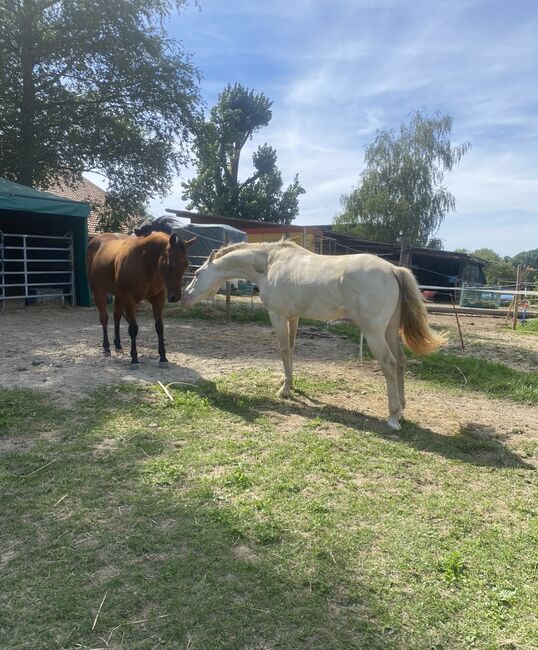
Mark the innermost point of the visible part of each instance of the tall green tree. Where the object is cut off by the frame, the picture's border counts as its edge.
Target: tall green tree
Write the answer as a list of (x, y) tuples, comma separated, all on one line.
[(238, 114), (401, 192), (95, 85), (527, 258), (500, 270), (529, 262)]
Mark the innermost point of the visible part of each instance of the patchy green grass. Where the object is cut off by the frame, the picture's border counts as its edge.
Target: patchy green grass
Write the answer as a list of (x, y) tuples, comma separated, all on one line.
[(240, 313), (443, 369), (231, 519), (479, 375), (529, 327)]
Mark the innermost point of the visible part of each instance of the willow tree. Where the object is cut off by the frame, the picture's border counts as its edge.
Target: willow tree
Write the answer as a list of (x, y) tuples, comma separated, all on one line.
[(400, 192), (94, 86), (238, 114)]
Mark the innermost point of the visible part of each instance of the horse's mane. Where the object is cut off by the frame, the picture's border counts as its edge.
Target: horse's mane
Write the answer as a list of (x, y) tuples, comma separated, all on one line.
[(258, 245), (160, 229), (148, 228)]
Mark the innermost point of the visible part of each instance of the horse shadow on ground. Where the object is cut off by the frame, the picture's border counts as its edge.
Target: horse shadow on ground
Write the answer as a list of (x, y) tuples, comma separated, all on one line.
[(475, 444), (186, 558)]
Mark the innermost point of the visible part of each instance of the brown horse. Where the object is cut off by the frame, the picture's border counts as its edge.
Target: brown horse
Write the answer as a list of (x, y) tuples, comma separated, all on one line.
[(133, 269)]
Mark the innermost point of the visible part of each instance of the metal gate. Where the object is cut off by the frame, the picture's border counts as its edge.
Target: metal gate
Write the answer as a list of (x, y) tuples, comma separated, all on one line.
[(36, 268)]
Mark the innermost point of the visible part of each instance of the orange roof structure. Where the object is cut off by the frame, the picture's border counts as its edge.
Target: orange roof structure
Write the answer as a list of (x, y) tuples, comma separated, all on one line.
[(83, 190)]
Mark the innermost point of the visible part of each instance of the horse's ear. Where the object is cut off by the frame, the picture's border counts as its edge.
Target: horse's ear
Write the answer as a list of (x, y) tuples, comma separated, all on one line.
[(212, 255), (173, 239), (190, 242)]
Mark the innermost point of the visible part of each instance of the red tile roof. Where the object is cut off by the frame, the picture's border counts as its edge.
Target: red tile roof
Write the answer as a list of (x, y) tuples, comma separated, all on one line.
[(83, 190)]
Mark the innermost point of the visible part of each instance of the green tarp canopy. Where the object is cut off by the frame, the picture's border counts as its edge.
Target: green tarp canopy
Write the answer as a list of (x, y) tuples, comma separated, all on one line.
[(27, 211), (25, 199)]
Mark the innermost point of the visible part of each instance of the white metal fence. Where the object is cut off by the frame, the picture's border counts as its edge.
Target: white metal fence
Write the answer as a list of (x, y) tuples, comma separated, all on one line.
[(36, 268)]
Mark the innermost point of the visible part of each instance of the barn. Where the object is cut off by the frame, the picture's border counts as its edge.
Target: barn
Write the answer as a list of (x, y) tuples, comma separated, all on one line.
[(43, 240), (432, 268)]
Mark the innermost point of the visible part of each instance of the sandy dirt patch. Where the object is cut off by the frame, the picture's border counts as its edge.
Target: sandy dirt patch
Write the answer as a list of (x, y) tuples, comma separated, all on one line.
[(58, 350), (491, 339)]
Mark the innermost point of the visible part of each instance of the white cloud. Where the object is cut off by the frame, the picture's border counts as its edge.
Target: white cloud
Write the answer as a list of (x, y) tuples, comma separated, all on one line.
[(337, 70)]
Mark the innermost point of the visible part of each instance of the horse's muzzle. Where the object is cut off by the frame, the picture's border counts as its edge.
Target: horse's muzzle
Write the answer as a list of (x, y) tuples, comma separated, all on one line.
[(172, 297)]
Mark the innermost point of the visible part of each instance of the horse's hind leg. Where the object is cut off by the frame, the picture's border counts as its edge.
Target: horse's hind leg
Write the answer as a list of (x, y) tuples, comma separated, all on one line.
[(282, 331), (293, 323), (389, 365), (118, 309), (393, 340), (157, 306), (100, 303)]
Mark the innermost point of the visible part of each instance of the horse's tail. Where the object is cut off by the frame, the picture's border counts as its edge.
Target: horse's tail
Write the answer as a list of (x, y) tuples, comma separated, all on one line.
[(416, 333), (93, 246)]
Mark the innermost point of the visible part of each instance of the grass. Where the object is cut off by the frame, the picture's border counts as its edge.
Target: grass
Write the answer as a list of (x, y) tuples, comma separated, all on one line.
[(230, 519), (477, 375), (530, 327), (442, 369)]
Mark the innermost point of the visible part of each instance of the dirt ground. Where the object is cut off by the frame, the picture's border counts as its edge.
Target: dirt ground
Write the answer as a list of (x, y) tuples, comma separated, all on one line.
[(59, 350)]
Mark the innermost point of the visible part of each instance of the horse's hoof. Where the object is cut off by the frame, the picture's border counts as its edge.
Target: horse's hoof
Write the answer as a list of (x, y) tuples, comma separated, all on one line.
[(393, 423), (164, 364), (283, 392), (135, 365), (107, 353), (118, 349)]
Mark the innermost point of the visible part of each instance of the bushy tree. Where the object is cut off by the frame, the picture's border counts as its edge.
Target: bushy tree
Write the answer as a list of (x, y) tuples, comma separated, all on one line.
[(94, 86), (528, 260), (401, 192), (435, 244), (499, 270), (216, 189)]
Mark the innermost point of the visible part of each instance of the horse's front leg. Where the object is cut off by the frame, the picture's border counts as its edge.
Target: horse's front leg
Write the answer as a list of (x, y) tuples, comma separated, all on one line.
[(282, 330), (130, 316), (157, 304)]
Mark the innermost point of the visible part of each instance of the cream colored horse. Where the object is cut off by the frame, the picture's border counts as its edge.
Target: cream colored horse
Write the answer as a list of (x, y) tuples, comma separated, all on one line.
[(382, 299)]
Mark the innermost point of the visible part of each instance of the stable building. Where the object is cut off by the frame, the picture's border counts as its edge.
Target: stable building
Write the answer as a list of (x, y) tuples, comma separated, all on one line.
[(43, 241)]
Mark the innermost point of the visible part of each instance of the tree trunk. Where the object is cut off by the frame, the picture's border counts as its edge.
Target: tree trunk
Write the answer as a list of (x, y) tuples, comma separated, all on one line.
[(27, 134)]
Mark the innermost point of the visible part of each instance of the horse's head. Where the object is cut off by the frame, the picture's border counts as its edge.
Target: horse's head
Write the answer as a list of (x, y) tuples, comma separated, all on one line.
[(206, 282), (173, 263)]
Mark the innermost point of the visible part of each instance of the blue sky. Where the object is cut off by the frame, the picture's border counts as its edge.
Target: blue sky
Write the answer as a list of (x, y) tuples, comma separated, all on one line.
[(337, 70)]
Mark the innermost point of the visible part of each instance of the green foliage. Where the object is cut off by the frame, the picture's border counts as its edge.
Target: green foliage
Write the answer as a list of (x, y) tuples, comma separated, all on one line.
[(529, 260), (94, 86), (237, 116), (400, 192), (452, 566), (435, 244), (499, 270)]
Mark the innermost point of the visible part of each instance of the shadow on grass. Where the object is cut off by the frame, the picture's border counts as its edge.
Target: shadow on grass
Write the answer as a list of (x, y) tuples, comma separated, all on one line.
[(464, 448), (167, 564), (171, 563)]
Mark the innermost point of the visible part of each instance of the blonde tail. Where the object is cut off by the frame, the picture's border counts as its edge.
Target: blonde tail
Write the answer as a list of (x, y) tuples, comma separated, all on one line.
[(416, 333)]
